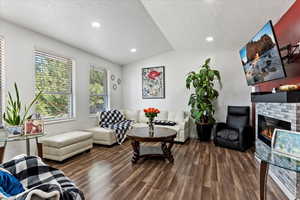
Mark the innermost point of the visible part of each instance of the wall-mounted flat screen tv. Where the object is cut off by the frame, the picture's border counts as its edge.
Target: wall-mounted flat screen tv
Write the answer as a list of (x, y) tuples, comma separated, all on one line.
[(261, 57)]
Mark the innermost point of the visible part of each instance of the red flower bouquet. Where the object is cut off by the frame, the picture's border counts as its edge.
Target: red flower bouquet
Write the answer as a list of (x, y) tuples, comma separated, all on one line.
[(151, 113)]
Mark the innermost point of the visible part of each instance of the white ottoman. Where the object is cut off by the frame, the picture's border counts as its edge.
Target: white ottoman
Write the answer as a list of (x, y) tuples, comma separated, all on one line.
[(103, 136), (65, 145)]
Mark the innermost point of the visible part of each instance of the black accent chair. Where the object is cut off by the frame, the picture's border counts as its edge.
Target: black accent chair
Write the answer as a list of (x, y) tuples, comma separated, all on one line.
[(236, 133)]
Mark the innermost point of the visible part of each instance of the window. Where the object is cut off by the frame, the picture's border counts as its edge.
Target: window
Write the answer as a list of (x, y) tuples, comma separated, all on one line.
[(53, 75), (1, 76), (98, 90)]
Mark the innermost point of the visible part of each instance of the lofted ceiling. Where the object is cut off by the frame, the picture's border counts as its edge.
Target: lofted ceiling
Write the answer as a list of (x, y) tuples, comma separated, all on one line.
[(125, 24), (187, 23), (150, 26)]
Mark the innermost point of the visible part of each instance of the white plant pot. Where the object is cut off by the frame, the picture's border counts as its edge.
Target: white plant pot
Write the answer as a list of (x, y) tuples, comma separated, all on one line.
[(14, 130)]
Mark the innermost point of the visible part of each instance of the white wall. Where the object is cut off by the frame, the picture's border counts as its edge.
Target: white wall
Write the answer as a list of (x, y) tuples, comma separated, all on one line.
[(20, 44), (177, 64)]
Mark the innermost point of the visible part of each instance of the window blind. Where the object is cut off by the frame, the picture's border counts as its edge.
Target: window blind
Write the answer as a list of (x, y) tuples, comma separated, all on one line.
[(98, 90), (1, 78), (53, 75)]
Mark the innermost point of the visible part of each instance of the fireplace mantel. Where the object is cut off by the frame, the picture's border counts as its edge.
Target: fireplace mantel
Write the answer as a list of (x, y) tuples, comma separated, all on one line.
[(278, 97)]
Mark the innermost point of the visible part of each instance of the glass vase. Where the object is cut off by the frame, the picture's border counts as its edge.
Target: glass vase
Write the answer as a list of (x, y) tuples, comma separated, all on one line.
[(151, 127)]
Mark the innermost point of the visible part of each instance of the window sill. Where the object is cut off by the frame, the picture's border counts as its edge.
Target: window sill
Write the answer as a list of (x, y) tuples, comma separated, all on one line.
[(58, 121)]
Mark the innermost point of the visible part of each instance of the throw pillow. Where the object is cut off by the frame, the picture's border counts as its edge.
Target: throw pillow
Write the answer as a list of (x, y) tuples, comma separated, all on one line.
[(164, 123), (163, 115), (9, 185), (171, 116), (132, 115)]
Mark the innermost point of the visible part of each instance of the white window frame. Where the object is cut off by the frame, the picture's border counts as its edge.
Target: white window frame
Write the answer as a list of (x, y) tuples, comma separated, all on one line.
[(105, 95), (2, 79), (72, 101)]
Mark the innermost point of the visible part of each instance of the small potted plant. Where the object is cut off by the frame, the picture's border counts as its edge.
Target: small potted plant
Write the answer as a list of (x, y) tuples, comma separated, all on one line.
[(13, 116), (201, 100), (151, 113)]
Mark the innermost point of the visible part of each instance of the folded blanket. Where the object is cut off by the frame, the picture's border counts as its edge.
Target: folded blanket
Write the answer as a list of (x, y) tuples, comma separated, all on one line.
[(115, 120), (41, 180)]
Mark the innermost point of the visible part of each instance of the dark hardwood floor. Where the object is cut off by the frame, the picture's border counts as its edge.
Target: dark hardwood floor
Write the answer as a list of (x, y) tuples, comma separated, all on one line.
[(200, 171)]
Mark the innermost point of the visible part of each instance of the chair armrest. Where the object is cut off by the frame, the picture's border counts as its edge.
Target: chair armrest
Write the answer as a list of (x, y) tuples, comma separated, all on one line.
[(246, 137)]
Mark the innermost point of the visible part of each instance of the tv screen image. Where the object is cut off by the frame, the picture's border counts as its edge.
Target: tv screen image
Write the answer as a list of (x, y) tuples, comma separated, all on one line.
[(261, 57)]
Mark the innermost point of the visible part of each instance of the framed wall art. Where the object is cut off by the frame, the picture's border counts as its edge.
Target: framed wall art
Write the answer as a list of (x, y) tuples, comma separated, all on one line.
[(153, 82), (286, 143)]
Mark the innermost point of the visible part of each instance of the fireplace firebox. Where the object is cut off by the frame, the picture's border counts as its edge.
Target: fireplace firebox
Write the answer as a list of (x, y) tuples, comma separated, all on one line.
[(266, 126)]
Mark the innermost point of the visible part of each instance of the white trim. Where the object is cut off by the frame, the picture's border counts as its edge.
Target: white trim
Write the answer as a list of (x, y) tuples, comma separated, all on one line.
[(58, 121), (72, 113), (2, 78), (52, 52), (105, 95)]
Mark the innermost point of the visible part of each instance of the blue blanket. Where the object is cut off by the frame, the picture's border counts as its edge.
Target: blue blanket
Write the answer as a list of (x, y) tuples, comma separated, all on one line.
[(9, 185)]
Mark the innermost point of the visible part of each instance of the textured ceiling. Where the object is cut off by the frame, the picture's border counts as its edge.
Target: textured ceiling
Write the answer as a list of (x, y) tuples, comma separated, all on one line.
[(125, 25), (186, 23)]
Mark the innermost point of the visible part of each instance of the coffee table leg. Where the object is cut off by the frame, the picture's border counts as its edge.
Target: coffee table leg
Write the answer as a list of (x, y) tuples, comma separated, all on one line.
[(136, 151), (167, 151)]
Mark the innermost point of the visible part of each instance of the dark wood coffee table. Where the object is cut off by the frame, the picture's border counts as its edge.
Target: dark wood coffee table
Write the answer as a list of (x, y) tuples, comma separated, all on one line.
[(163, 135)]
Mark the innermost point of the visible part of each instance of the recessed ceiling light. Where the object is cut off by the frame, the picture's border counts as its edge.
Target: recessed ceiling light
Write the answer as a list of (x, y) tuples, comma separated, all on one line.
[(95, 24), (209, 39), (133, 50)]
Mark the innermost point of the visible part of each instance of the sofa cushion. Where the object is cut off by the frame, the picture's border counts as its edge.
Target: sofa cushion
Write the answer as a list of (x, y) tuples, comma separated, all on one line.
[(100, 133), (66, 139), (142, 117), (164, 122), (179, 116), (163, 115), (176, 116), (228, 134), (140, 125), (132, 115), (100, 130), (171, 116), (175, 128)]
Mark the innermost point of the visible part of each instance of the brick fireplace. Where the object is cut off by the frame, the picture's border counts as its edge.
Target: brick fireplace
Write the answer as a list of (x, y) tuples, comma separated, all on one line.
[(284, 116)]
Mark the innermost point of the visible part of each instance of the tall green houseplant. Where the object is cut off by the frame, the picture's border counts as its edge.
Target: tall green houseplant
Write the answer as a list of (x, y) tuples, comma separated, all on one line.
[(203, 96), (13, 115)]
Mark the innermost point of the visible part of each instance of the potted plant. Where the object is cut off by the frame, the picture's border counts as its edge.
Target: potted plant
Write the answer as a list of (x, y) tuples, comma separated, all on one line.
[(201, 100), (13, 116)]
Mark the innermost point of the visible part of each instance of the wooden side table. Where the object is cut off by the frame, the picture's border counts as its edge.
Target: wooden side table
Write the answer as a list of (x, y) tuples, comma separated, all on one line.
[(163, 135)]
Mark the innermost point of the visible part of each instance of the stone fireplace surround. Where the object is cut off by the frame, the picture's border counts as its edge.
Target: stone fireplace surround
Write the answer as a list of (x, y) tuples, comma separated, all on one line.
[(288, 181)]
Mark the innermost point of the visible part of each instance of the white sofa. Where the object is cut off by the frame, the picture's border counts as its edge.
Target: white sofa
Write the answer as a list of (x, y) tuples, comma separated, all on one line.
[(106, 136)]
